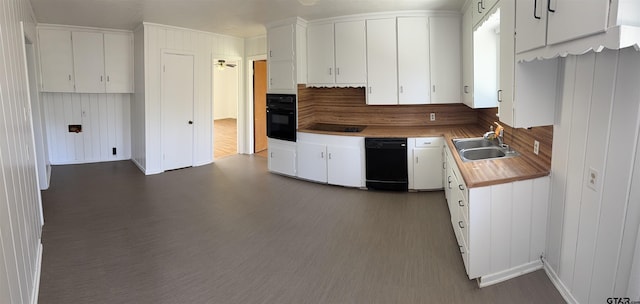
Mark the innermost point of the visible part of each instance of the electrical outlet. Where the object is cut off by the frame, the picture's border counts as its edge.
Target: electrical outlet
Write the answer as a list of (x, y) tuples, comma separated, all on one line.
[(536, 147), (592, 179), (432, 116)]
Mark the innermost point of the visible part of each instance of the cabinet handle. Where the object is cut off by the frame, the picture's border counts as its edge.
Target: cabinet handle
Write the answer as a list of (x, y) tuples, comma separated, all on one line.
[(460, 224), (101, 78), (460, 203), (535, 9), (69, 77), (270, 81), (549, 7), (434, 88), (321, 154), (449, 181), (271, 154), (460, 187), (270, 53), (108, 78), (461, 251), (337, 71), (499, 95), (444, 165), (329, 155), (330, 71), (417, 159), (466, 89), (482, 4), (479, 12)]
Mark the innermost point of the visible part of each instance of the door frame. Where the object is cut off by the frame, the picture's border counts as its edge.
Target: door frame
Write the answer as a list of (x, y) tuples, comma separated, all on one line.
[(162, 110), (240, 122), (249, 142)]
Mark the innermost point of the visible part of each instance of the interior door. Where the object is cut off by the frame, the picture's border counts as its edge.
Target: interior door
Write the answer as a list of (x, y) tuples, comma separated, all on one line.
[(259, 105), (177, 110)]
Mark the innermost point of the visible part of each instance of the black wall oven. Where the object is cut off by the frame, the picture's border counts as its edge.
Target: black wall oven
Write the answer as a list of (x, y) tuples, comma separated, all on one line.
[(281, 116)]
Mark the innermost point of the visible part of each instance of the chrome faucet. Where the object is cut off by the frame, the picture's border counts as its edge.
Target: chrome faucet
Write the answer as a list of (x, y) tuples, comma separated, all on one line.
[(498, 134)]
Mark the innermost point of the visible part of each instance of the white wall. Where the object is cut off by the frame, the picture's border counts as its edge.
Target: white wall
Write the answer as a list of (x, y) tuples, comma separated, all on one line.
[(225, 92), (138, 123), (255, 49), (105, 121), (256, 46), (592, 232), (20, 224), (204, 46)]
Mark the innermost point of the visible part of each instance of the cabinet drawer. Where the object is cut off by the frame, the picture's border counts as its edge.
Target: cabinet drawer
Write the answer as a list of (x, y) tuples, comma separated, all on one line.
[(425, 142), (462, 246)]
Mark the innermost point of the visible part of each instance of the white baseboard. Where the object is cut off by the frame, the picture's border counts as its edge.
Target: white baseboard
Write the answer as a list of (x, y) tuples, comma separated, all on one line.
[(35, 292), (502, 276), (555, 279)]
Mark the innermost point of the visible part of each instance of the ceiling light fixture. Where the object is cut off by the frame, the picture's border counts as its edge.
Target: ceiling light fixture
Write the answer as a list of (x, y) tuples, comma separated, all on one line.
[(222, 64)]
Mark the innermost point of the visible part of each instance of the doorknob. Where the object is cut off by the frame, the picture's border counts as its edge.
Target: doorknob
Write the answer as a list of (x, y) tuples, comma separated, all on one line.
[(190, 122)]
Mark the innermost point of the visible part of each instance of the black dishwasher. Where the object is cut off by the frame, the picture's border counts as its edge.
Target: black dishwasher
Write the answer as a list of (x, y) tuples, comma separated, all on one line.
[(386, 163)]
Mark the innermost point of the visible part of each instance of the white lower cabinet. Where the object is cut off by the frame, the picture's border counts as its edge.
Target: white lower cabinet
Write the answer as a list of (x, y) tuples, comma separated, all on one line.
[(500, 229), (425, 163), (336, 160), (282, 157)]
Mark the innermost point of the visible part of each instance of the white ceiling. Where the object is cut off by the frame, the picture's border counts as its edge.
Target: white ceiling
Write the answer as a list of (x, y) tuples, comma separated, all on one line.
[(241, 18)]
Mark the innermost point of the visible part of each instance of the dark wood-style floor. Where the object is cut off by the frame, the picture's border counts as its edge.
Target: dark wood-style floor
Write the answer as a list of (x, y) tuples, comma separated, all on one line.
[(232, 233)]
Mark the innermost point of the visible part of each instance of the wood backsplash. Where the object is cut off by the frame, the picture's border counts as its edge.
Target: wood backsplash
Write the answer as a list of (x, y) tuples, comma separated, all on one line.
[(348, 106), (522, 139)]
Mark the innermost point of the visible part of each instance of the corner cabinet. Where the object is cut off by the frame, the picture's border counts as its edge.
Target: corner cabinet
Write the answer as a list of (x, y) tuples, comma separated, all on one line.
[(332, 159), (85, 61), (286, 56), (282, 157), (500, 229), (424, 159)]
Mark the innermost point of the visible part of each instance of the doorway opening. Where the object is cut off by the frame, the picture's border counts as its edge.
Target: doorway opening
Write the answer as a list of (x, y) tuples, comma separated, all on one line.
[(225, 107), (260, 144)]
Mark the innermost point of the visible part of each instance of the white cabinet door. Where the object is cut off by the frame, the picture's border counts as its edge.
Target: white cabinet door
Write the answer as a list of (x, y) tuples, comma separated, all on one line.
[(344, 166), (56, 60), (281, 76), (531, 24), (413, 60), (445, 59), (320, 54), (507, 62), (282, 157), (427, 168), (351, 52), (281, 42), (569, 19), (88, 59), (382, 69), (312, 161), (118, 62), (467, 58)]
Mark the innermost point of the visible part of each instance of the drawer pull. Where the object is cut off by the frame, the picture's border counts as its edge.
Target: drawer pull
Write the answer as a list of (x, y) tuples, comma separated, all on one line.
[(460, 187), (449, 180), (460, 203), (461, 251), (460, 225)]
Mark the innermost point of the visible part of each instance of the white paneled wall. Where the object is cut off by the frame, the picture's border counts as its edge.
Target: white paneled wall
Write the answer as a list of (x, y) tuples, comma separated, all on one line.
[(105, 121), (593, 227), (203, 45), (20, 212)]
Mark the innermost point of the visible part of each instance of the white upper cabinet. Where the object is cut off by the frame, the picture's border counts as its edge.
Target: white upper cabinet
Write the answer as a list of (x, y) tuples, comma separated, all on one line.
[(336, 54), (467, 57), (281, 42), (88, 58), (546, 29), (320, 54), (56, 60), (413, 60), (382, 69), (351, 53), (445, 59), (118, 62), (286, 58), (88, 61), (479, 9)]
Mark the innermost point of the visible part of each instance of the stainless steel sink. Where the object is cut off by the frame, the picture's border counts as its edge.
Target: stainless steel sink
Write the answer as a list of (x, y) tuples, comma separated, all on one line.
[(471, 149), (471, 143)]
